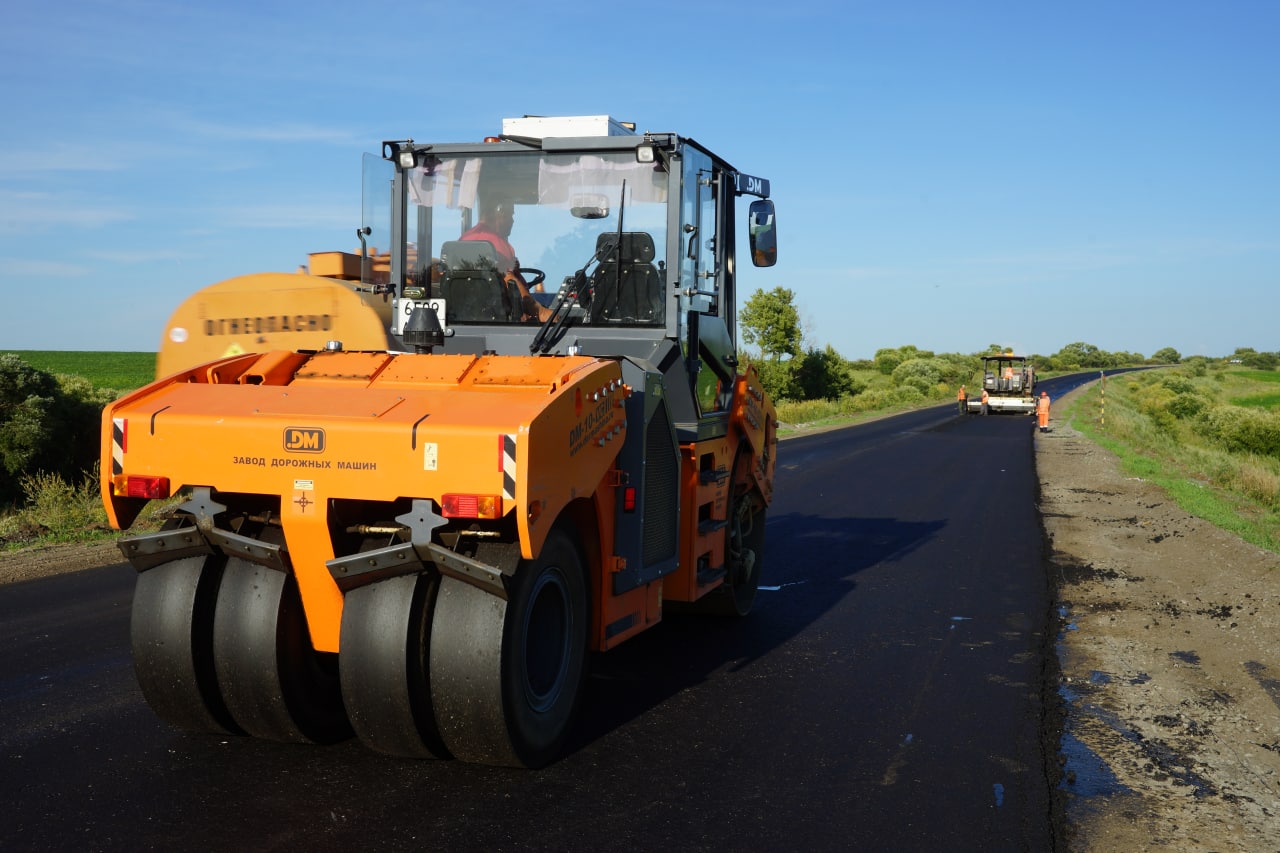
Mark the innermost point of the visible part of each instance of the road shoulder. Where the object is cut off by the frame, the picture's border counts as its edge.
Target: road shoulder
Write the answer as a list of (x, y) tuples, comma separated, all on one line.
[(1169, 676)]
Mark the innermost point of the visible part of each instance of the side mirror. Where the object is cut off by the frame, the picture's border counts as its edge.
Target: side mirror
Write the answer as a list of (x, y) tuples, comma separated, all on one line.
[(762, 229)]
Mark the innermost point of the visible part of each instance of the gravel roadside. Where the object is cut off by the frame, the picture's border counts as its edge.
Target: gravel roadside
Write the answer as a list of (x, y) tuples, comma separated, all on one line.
[(1170, 678)]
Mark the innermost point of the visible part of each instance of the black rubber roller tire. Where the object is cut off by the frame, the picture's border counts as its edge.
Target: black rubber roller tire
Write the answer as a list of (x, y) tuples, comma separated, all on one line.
[(743, 548), (275, 684), (386, 634), (506, 676), (171, 634)]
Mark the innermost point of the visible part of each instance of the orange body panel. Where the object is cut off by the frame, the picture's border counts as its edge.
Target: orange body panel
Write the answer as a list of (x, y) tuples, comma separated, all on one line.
[(372, 426), (703, 503)]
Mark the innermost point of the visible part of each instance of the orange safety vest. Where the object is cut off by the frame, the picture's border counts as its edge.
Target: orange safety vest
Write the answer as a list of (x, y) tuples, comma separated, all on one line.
[(960, 394), (1042, 406)]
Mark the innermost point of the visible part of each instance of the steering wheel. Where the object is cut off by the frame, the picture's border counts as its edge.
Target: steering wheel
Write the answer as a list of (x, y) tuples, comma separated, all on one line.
[(538, 276)]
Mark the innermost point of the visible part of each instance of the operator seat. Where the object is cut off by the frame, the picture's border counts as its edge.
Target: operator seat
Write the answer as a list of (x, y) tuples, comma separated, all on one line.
[(473, 287), (626, 287)]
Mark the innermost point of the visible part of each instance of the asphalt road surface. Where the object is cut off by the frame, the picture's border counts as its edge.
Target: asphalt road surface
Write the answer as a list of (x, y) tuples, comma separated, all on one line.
[(888, 692)]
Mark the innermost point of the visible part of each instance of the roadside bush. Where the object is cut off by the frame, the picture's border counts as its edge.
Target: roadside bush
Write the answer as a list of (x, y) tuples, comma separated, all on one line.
[(824, 375), (47, 424), (1178, 384), (820, 374), (1242, 430), (29, 432), (806, 411), (777, 378), (887, 360), (1186, 406), (925, 374), (882, 398), (958, 369), (55, 505), (1259, 483)]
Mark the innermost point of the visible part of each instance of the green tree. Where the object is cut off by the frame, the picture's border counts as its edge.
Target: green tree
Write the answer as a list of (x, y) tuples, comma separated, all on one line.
[(923, 374), (888, 359), (26, 423), (1168, 355), (1080, 354), (779, 378), (824, 375), (47, 424), (770, 320), (1250, 357)]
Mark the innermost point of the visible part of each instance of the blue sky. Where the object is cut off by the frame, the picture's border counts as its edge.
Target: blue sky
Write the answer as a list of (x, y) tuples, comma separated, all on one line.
[(948, 174)]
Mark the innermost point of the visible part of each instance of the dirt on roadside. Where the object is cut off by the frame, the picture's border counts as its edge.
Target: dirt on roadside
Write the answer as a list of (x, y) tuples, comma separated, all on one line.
[(1170, 679), (39, 561)]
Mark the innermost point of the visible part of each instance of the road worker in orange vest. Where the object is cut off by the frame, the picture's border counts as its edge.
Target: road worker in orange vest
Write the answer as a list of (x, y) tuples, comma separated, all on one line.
[(962, 399), (1042, 411), (985, 397)]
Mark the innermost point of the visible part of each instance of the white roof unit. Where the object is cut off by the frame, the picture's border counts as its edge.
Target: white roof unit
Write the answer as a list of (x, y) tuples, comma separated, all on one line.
[(541, 127)]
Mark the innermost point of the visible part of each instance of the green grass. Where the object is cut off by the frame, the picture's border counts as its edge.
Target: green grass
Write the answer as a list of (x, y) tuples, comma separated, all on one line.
[(119, 371), (56, 511), (1233, 491), (1259, 401), (1252, 388)]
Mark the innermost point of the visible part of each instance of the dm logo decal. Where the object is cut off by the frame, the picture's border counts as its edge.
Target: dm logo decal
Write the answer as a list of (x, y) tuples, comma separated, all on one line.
[(303, 440)]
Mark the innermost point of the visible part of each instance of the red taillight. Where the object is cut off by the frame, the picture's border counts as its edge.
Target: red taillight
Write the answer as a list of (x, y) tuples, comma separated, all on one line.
[(151, 488), (629, 499), (471, 506)]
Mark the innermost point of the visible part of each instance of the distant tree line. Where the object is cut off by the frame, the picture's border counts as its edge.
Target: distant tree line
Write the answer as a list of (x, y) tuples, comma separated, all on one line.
[(791, 371)]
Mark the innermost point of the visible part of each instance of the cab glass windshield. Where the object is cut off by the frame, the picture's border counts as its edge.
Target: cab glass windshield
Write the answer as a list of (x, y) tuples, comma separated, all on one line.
[(497, 235)]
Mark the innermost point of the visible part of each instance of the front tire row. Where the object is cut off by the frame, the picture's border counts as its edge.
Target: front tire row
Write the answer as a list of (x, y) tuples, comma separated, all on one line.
[(429, 667)]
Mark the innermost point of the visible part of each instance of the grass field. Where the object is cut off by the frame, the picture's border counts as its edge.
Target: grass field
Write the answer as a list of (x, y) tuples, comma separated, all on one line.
[(1160, 439), (120, 371)]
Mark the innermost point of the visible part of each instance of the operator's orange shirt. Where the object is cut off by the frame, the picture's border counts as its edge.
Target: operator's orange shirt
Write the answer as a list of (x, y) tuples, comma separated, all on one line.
[(506, 253)]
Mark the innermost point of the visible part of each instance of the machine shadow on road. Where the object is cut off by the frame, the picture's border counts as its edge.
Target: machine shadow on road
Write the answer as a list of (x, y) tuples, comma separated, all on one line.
[(810, 564)]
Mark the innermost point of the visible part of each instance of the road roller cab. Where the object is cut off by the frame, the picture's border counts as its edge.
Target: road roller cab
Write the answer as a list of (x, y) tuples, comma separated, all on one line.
[(421, 542)]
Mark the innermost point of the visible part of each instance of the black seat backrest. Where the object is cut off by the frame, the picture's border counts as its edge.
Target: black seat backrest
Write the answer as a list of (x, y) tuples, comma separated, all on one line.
[(626, 286), (471, 283)]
